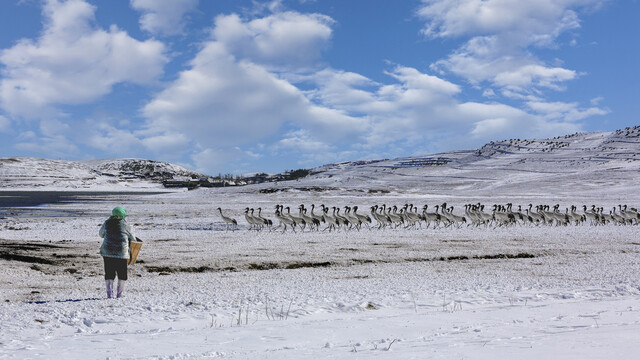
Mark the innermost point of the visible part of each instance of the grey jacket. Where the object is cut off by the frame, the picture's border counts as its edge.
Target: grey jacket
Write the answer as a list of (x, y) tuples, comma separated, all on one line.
[(116, 234)]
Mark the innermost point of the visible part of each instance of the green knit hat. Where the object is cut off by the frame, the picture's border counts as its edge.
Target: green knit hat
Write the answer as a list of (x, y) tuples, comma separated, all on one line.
[(119, 212)]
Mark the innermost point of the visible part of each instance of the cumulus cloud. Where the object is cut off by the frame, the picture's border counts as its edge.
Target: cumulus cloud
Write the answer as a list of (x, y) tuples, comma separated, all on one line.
[(535, 75), (304, 149), (209, 160), (488, 127), (73, 62), (496, 121), (221, 101), (401, 109), (500, 35), (485, 59), (164, 17), (257, 89), (256, 81), (108, 138), (82, 138), (230, 94), (527, 127), (54, 146), (282, 40), (565, 111), (488, 120), (418, 108), (301, 140), (528, 21), (355, 93), (167, 143)]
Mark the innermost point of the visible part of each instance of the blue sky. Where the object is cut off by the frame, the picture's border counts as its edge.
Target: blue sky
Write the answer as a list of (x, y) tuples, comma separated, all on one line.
[(233, 86)]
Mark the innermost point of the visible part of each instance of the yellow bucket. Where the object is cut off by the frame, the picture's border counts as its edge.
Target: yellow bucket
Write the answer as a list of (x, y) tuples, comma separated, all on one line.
[(134, 249)]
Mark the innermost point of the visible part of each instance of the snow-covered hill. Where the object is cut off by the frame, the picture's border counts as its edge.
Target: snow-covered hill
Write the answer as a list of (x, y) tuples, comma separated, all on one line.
[(607, 162), (137, 168), (579, 164), (106, 174)]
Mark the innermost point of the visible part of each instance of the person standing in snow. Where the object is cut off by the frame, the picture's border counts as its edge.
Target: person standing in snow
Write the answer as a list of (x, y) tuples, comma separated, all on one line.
[(117, 235)]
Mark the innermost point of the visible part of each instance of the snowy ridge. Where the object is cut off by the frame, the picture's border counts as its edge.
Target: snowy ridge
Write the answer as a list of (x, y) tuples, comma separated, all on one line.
[(106, 174), (600, 162), (583, 162), (31, 172), (149, 169)]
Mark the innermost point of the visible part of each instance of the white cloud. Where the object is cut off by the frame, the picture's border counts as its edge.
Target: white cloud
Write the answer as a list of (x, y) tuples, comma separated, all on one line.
[(535, 75), (487, 59), (224, 102), (238, 91), (227, 102), (528, 128), (481, 111), (228, 97), (342, 90), (519, 96), (73, 62), (355, 93), (419, 108), (430, 86), (489, 93), (210, 160), (163, 17), (26, 136), (301, 140), (333, 125), (497, 121), (305, 150), (50, 138), (489, 127), (109, 139), (564, 111), (501, 34), (490, 120), (528, 21), (551, 107), (282, 40), (56, 146), (167, 143), (406, 108)]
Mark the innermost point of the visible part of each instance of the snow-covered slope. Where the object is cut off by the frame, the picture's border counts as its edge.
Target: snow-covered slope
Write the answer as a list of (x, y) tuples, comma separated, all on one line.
[(138, 168), (605, 161), (578, 164), (107, 174)]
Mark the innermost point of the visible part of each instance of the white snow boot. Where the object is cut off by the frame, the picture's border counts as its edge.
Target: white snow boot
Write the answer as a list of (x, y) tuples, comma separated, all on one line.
[(120, 287), (109, 288)]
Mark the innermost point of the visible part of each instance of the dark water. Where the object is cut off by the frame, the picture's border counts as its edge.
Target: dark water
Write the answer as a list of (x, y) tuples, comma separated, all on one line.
[(13, 199)]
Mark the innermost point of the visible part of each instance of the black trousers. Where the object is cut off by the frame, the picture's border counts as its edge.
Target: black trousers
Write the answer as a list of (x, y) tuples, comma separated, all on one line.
[(113, 266)]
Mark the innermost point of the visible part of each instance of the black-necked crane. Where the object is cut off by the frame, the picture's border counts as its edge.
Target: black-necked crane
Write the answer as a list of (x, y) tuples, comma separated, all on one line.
[(228, 221)]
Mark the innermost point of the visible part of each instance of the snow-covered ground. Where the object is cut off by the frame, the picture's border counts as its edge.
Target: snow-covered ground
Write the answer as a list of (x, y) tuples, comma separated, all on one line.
[(199, 291)]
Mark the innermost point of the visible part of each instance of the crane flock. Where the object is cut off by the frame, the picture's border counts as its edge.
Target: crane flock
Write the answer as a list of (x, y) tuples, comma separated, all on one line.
[(442, 215)]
